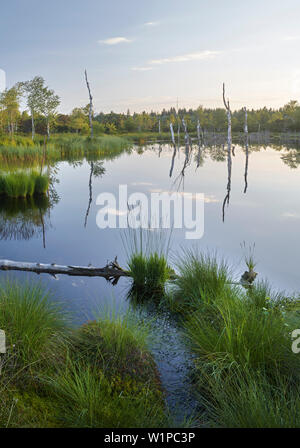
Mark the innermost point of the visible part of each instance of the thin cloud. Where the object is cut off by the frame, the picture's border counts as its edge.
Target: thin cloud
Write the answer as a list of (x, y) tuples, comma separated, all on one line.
[(200, 55), (151, 24), (141, 69), (291, 38), (114, 40), (291, 215)]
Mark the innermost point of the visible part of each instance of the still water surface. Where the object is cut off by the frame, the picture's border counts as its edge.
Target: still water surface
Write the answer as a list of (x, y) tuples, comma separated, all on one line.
[(263, 208)]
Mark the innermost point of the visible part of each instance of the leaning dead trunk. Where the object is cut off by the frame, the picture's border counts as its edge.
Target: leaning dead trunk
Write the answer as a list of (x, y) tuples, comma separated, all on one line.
[(91, 105)]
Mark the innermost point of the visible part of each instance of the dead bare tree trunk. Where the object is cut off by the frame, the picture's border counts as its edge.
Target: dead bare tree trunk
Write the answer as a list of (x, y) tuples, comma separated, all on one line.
[(91, 105), (229, 144), (227, 107), (247, 150), (199, 132), (186, 135), (172, 134)]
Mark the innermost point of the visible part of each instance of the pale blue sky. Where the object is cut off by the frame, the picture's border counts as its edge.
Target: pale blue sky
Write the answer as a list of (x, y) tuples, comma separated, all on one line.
[(144, 54)]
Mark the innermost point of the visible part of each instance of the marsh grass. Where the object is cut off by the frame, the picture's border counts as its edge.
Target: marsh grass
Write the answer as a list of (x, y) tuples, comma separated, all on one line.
[(149, 275), (147, 251), (110, 379), (99, 375), (249, 255), (86, 399), (241, 343), (113, 342), (21, 184), (32, 322), (249, 400), (231, 332), (201, 278), (68, 147), (35, 338)]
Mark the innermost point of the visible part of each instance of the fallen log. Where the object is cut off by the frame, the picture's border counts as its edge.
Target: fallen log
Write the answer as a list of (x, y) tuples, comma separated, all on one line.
[(111, 272)]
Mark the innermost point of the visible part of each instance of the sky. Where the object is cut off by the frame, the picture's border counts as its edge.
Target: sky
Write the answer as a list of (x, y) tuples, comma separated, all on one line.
[(144, 55)]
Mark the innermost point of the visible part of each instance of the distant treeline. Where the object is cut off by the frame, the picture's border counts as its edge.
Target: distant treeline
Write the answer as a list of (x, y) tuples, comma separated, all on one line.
[(42, 103)]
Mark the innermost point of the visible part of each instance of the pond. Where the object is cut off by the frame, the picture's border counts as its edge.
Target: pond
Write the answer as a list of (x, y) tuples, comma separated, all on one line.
[(258, 204)]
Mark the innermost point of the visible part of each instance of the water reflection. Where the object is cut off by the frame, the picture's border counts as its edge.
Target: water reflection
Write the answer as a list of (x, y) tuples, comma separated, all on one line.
[(24, 218), (173, 160), (246, 164), (229, 170), (96, 170), (27, 217)]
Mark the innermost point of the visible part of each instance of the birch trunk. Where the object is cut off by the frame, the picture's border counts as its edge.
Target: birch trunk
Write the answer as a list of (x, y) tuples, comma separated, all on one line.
[(91, 105), (32, 125), (48, 128)]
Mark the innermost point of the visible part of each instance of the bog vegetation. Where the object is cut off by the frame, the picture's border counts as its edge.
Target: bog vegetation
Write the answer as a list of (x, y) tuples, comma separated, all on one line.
[(22, 184), (102, 374)]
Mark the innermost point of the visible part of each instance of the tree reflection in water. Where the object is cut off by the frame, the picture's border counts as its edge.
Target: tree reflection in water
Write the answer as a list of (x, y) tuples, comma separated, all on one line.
[(24, 218)]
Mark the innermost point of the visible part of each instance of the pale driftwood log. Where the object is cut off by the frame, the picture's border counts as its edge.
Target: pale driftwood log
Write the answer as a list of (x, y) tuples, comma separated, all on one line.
[(91, 104), (111, 272)]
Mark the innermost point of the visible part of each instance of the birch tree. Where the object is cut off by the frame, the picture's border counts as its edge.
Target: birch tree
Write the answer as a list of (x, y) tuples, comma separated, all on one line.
[(34, 97), (9, 103), (48, 106)]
